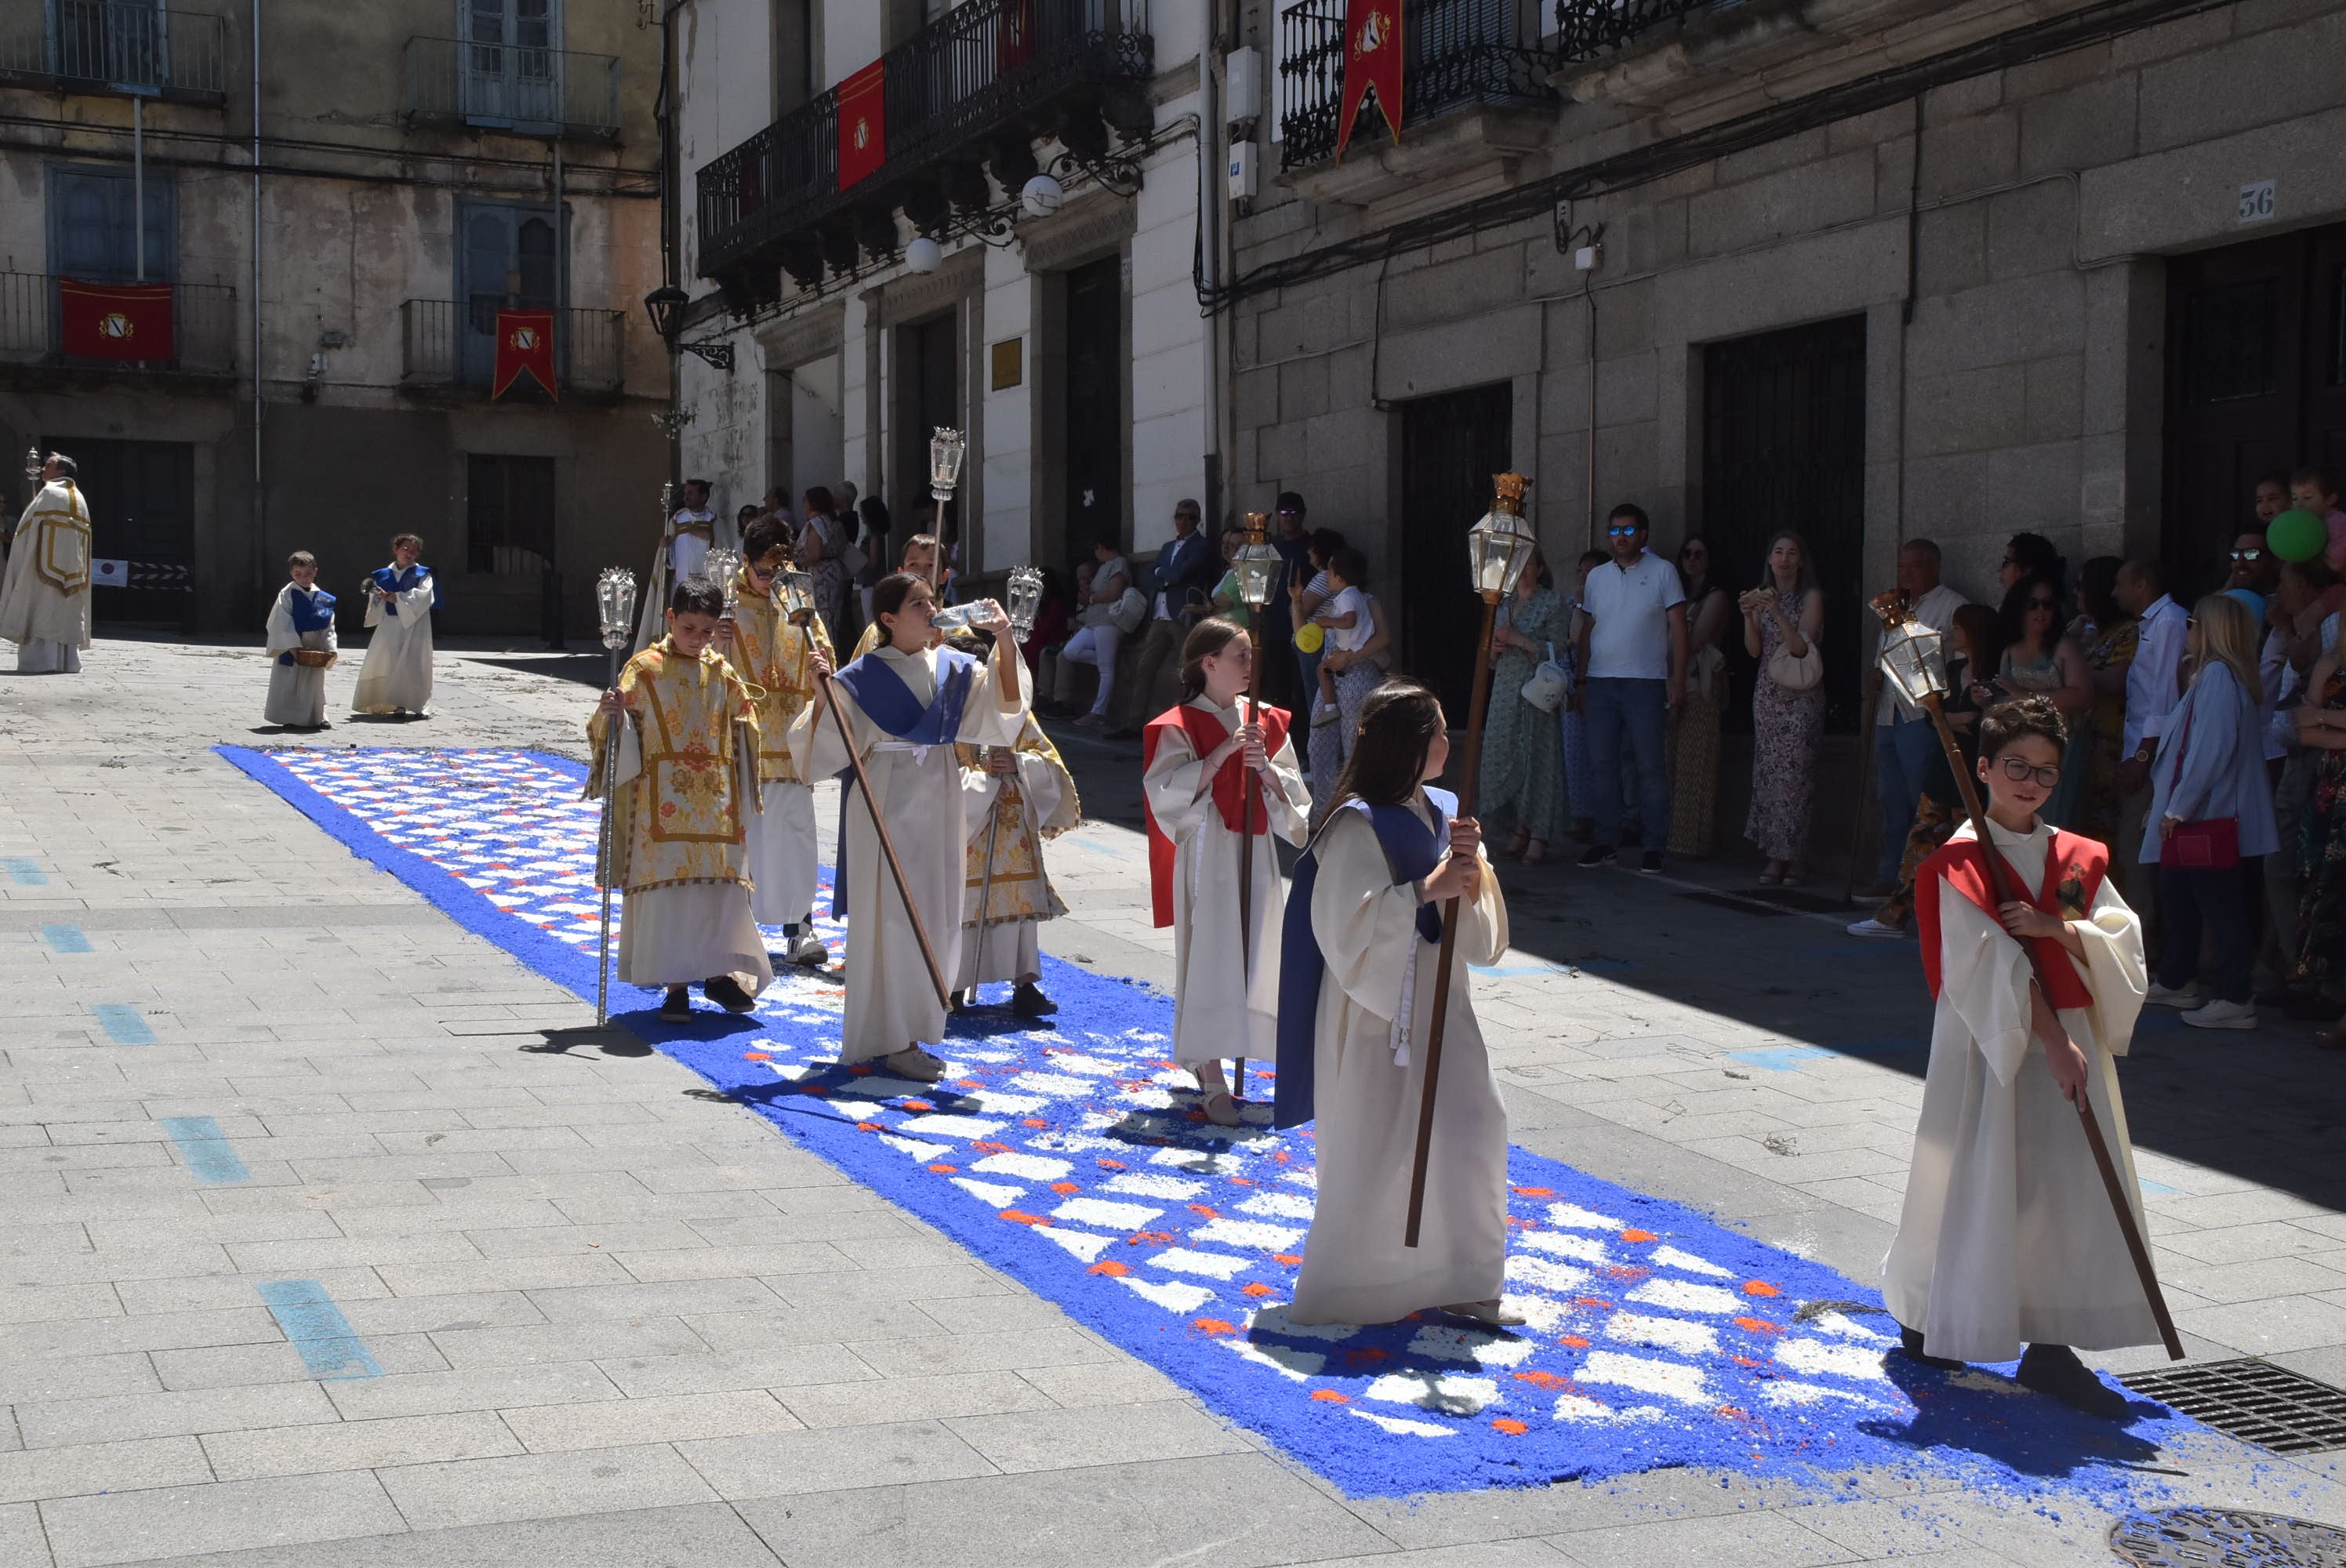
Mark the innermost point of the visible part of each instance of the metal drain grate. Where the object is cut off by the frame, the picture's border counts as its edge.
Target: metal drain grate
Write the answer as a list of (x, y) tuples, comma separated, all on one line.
[(2199, 1537), (2255, 1401)]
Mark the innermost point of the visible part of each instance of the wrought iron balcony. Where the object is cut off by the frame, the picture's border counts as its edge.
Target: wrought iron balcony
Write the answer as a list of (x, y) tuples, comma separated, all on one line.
[(1586, 28), (451, 345), (203, 329), (984, 81), (1455, 54), (509, 87), (125, 46)]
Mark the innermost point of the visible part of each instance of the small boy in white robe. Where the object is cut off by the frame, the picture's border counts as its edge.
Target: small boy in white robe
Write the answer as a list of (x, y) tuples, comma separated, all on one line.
[(2007, 1234), (1015, 797), (397, 674), (302, 618), (775, 659)]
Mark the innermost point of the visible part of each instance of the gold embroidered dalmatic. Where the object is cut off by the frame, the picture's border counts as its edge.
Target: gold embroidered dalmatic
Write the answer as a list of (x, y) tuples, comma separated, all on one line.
[(771, 656), (680, 807), (45, 595), (1021, 888)]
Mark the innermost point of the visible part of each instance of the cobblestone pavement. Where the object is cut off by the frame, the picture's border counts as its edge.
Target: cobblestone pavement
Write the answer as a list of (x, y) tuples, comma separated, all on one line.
[(619, 1322)]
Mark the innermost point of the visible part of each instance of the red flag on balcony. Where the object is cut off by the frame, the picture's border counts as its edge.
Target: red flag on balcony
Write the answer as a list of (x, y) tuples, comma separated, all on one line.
[(863, 123), (525, 343), (115, 321), (1372, 64)]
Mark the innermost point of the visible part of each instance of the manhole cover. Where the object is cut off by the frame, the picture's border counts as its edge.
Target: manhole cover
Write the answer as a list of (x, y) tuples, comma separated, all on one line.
[(2255, 1401), (2226, 1537)]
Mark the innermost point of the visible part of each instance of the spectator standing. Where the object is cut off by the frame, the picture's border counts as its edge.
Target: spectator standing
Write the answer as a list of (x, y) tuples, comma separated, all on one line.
[(2028, 555), (2210, 767), (1633, 644), (1691, 755), (2039, 660), (2271, 499), (2106, 634), (1305, 590), (873, 541), (2315, 490), (1523, 748), (1904, 739), (1292, 537), (820, 543), (1099, 632), (2320, 945), (2294, 767), (1180, 588), (2154, 684), (1783, 617)]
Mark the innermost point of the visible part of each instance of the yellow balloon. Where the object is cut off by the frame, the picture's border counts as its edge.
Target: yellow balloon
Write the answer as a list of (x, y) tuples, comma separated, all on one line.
[(1310, 635)]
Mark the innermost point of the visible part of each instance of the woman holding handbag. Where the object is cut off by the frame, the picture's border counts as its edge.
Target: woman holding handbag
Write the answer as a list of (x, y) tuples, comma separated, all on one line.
[(1782, 619), (1523, 748), (2210, 804)]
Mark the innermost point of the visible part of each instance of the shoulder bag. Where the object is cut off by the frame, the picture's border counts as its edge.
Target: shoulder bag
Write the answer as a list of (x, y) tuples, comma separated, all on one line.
[(1804, 673), (1548, 684), (2210, 844)]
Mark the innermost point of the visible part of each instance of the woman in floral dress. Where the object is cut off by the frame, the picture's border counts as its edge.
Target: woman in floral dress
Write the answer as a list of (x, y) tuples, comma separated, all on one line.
[(1523, 748), (1784, 613)]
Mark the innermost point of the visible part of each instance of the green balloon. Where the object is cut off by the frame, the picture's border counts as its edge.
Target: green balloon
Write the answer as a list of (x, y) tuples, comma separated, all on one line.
[(2297, 535)]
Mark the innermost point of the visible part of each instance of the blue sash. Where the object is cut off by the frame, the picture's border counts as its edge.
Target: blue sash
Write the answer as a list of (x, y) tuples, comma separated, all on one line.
[(889, 703), (314, 610), (1412, 851), (397, 583)]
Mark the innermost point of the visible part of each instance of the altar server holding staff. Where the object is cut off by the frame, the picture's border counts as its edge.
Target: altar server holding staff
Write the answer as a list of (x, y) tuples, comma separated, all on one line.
[(1374, 879), (906, 703), (300, 621), (774, 660), (397, 674), (688, 776), (1210, 774), (1016, 799)]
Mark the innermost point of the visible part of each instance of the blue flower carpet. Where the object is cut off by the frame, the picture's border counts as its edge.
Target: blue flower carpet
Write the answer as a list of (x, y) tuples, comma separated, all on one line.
[(1071, 1156)]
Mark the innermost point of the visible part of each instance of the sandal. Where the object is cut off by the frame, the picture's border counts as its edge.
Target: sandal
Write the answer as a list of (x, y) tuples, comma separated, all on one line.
[(1536, 854), (1220, 1108), (1516, 845)]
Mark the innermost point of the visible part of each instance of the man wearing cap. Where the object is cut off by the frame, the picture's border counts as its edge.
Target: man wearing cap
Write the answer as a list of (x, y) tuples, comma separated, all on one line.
[(1181, 589)]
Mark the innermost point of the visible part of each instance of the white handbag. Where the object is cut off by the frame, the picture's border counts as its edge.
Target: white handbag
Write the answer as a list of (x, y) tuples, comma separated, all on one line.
[(1546, 689), (1128, 611)]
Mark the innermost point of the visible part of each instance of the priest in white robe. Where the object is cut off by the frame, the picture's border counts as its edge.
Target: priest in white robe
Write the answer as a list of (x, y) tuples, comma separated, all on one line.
[(302, 620), (1380, 873), (1015, 799), (397, 674), (776, 660), (906, 704), (1226, 970), (44, 594)]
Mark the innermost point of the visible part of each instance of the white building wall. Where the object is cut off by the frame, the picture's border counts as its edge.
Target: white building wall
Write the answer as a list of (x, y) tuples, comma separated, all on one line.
[(726, 66), (1008, 426), (849, 35)]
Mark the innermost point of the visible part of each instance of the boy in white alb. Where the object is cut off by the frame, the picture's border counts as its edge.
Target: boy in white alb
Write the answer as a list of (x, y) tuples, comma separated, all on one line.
[(301, 620)]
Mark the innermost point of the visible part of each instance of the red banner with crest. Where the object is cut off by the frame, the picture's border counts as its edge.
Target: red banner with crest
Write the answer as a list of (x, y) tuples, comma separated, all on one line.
[(113, 320), (863, 123), (525, 343), (1372, 51)]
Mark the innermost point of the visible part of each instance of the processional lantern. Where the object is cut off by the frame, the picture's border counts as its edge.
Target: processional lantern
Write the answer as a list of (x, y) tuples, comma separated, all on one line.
[(1257, 562), (1500, 545), (1913, 656), (614, 603), (723, 566), (797, 591), (947, 447), (1025, 591)]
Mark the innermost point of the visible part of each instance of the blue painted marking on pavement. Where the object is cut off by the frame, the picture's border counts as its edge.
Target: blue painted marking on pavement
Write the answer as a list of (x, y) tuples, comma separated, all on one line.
[(66, 938), (206, 1149), (330, 1347), (2154, 1189), (123, 1023), (25, 873), (1780, 1058)]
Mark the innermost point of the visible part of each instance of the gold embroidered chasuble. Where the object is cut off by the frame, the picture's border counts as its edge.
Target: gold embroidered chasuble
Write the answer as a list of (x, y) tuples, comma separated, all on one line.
[(680, 806), (771, 657), (1021, 888)]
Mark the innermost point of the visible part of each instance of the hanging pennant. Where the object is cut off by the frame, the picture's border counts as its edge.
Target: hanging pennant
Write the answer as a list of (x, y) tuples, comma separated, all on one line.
[(863, 123), (1372, 50), (525, 343), (115, 321)]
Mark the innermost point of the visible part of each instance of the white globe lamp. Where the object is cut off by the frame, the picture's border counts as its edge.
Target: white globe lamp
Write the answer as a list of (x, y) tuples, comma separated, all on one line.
[(925, 254), (1041, 195)]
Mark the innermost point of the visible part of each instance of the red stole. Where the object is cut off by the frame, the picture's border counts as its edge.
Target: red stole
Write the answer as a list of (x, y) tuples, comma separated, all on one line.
[(2074, 868), (1206, 732)]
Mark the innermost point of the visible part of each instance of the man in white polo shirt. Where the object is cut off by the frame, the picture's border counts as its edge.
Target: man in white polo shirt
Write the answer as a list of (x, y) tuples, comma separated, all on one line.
[(1633, 644)]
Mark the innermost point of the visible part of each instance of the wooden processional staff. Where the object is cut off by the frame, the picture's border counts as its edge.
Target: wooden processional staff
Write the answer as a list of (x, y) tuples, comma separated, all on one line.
[(1501, 547), (1911, 659), (1256, 564)]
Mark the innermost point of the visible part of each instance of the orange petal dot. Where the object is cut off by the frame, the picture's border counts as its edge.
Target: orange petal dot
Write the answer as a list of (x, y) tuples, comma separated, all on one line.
[(1758, 1326), (1112, 1165), (944, 1170), (757, 1055), (1636, 1235), (1759, 1287), (916, 1104), (1330, 1397), (1293, 1259), (1110, 1266), (1065, 1186), (1213, 1325), (1573, 1342), (1533, 1191), (867, 1127), (1540, 1379), (968, 1084), (1034, 1122), (1258, 1288), (860, 1072), (1510, 1426), (1015, 1218)]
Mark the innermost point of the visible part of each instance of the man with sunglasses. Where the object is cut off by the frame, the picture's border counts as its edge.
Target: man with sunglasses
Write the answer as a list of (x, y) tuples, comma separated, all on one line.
[(1632, 641), (1292, 537), (2255, 573)]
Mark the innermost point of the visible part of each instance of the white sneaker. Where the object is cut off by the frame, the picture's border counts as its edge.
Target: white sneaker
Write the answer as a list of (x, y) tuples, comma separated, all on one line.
[(916, 1064), (2221, 1014), (806, 948), (1874, 928), (2185, 996)]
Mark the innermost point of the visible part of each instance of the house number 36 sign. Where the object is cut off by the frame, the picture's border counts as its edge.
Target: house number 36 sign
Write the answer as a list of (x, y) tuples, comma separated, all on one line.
[(2257, 202)]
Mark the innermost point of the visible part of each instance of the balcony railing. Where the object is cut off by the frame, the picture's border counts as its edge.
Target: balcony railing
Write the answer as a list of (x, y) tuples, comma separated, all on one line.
[(203, 329), (1586, 28), (1455, 52), (449, 344), (530, 91), (130, 47), (971, 72)]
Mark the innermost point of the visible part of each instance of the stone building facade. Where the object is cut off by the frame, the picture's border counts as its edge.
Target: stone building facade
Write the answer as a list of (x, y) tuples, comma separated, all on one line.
[(1874, 270), (327, 383)]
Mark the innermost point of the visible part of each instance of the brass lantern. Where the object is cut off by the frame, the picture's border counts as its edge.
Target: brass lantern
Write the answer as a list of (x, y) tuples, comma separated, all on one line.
[(1026, 601), (1913, 656), (796, 590), (614, 604), (1257, 562), (947, 447), (723, 567), (1500, 546)]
